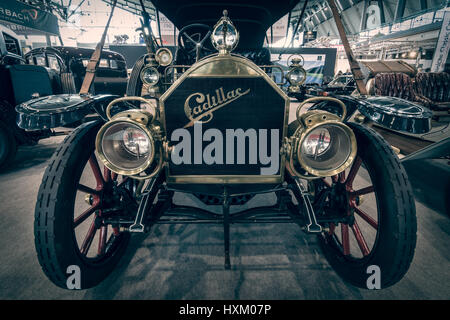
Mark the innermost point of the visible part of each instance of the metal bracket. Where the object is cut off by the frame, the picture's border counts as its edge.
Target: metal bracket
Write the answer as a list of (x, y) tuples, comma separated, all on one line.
[(226, 227), (313, 226), (147, 200)]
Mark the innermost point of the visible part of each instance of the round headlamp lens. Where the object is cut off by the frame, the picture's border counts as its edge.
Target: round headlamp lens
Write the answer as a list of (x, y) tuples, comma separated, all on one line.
[(150, 76), (297, 76), (164, 56), (316, 143), (231, 36), (126, 146), (326, 148), (136, 141)]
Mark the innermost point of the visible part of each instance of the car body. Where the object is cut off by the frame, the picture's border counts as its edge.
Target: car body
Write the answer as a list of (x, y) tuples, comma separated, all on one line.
[(10, 45), (111, 76), (14, 91), (48, 71), (342, 84), (211, 124)]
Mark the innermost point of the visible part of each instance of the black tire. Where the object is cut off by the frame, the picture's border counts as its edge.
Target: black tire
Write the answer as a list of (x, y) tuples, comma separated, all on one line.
[(54, 230), (134, 85), (395, 241), (8, 146)]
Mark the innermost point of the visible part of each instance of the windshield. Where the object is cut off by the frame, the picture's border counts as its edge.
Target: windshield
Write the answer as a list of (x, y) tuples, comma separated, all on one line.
[(340, 81)]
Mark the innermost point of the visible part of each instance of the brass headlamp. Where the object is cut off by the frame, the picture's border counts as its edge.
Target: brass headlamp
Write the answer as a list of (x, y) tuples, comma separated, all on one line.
[(164, 57), (322, 145), (129, 143), (296, 75)]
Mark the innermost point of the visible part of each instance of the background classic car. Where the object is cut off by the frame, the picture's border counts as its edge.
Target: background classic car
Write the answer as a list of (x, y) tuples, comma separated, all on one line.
[(48, 70), (111, 76), (14, 91)]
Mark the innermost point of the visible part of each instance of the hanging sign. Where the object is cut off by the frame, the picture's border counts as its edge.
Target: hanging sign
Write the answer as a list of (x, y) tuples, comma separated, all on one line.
[(443, 45), (26, 19)]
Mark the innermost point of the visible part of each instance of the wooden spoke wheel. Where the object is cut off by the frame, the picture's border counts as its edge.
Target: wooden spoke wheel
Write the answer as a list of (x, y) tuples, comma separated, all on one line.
[(377, 214), (76, 200)]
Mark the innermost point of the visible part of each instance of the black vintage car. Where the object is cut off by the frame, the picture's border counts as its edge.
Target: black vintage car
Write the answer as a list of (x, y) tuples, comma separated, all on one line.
[(43, 72), (210, 122), (15, 90), (342, 84), (111, 76)]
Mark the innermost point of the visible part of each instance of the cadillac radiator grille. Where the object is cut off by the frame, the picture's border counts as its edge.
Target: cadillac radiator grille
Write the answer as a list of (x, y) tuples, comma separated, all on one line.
[(225, 129)]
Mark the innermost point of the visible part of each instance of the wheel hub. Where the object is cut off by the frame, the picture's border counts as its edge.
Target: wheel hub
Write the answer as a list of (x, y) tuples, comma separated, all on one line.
[(339, 197)]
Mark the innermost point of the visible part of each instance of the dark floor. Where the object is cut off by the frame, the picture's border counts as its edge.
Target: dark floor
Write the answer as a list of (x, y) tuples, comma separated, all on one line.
[(186, 262)]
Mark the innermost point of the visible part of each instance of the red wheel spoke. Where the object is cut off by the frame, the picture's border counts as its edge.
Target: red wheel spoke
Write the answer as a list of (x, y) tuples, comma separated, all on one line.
[(342, 177), (96, 170), (366, 218), (88, 239), (345, 239), (332, 228), (106, 174), (353, 171), (360, 239), (334, 179), (86, 214), (102, 240), (86, 189), (362, 191)]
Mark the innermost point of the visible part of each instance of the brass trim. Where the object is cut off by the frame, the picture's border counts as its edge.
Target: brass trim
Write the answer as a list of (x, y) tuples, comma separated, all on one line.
[(225, 179), (298, 60), (146, 101), (313, 99), (157, 56), (157, 170), (221, 76), (194, 72), (252, 71)]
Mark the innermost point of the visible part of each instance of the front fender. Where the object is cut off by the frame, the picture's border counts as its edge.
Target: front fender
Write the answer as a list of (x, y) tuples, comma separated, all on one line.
[(60, 110), (391, 112)]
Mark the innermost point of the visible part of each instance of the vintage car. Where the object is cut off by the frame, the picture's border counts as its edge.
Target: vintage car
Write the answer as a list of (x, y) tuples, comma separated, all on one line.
[(14, 91), (111, 76), (342, 84), (211, 123), (48, 71)]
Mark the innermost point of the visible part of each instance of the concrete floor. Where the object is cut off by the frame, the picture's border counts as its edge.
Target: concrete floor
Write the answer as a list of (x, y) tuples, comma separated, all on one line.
[(186, 262)]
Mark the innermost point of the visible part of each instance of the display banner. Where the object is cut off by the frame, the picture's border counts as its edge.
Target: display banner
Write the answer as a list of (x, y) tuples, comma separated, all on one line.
[(25, 19), (279, 28), (443, 45), (167, 30), (166, 25)]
